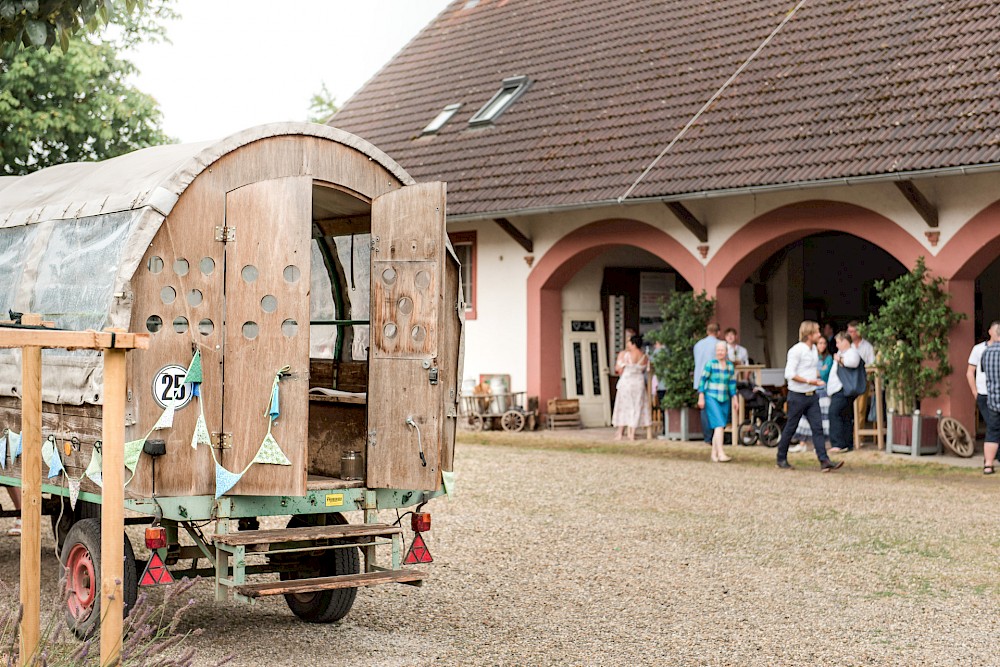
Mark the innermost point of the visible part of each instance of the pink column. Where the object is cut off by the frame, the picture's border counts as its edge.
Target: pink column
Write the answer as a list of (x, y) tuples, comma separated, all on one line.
[(956, 400)]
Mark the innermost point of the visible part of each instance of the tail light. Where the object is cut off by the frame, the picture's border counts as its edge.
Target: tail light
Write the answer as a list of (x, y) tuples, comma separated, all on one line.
[(156, 537), (420, 522)]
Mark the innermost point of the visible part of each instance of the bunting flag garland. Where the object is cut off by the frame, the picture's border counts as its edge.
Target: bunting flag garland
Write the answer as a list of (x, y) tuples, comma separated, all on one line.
[(166, 420), (47, 449), (225, 480), (132, 451), (3, 453), (194, 374), (15, 443), (74, 491), (448, 480), (55, 463), (273, 411), (201, 435), (270, 452)]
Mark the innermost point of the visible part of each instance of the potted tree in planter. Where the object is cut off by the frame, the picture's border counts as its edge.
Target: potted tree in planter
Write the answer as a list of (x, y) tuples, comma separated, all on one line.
[(910, 335), (685, 316)]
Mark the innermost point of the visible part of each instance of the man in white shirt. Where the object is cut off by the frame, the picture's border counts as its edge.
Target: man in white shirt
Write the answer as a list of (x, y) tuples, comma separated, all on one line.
[(863, 347), (841, 405), (974, 373), (704, 352), (736, 352), (802, 374)]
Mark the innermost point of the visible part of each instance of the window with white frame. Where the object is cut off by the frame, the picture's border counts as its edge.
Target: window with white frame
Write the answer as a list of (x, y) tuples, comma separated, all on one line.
[(465, 247), (510, 89)]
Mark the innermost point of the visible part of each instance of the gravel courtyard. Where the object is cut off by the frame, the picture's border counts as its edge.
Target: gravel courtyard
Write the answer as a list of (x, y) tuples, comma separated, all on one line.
[(563, 551)]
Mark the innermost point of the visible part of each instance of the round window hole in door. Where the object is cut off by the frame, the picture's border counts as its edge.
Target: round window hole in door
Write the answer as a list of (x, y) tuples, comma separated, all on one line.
[(206, 327), (168, 294), (155, 264), (389, 330), (154, 323), (418, 334), (291, 273), (422, 280), (181, 267), (405, 305), (249, 273), (269, 303), (250, 330), (389, 276), (207, 265), (289, 328), (195, 297), (180, 325)]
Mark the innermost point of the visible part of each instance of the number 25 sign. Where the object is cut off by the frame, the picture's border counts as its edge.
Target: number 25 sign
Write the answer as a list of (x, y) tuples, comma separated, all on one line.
[(169, 387)]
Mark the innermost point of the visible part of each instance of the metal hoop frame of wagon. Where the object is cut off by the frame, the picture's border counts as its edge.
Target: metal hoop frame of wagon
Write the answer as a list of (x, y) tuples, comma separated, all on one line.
[(273, 369)]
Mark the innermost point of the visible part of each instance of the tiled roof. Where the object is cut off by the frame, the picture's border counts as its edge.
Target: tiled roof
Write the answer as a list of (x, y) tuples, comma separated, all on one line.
[(848, 88)]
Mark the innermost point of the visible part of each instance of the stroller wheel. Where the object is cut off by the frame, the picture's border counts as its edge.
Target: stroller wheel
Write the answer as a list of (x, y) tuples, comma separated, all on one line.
[(770, 434), (747, 434)]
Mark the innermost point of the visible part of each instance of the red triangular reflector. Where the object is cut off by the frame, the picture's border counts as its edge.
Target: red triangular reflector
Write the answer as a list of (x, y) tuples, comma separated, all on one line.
[(418, 553), (156, 572)]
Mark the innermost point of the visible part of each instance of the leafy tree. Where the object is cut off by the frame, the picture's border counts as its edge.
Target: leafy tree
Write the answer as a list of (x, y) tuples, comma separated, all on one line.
[(43, 23), (910, 334), (322, 105), (685, 316), (76, 105)]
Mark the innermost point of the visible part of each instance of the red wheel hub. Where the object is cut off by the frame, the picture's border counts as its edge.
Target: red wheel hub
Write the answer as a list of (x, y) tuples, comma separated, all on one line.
[(81, 582)]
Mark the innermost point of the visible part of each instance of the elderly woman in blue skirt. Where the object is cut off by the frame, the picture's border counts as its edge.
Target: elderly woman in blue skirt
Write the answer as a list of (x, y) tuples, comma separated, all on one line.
[(716, 393)]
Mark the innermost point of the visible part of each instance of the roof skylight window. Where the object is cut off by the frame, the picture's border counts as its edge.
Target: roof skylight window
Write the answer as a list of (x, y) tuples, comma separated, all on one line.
[(510, 90), (441, 119)]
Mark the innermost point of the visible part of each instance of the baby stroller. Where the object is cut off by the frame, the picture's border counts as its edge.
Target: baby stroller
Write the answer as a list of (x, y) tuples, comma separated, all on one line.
[(765, 416)]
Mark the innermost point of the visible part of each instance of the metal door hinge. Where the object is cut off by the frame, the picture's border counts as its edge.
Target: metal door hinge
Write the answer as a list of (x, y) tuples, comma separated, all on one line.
[(225, 234), (371, 438), (374, 244), (451, 412), (222, 440)]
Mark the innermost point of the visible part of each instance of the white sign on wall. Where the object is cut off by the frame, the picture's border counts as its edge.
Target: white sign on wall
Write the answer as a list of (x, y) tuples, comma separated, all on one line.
[(169, 387)]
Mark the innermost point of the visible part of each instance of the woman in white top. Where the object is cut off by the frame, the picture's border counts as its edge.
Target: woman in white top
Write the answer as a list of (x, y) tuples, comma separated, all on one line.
[(842, 407), (632, 406)]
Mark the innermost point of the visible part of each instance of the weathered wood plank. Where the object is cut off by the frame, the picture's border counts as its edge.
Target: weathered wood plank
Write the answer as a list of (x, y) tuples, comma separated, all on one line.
[(329, 583), (307, 534)]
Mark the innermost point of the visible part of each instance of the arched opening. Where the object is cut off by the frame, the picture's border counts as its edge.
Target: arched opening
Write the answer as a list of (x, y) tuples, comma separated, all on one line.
[(599, 276)]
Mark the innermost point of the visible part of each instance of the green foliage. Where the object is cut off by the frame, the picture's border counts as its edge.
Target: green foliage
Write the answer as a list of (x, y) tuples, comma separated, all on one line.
[(44, 23), (685, 316), (322, 105), (910, 334), (77, 105)]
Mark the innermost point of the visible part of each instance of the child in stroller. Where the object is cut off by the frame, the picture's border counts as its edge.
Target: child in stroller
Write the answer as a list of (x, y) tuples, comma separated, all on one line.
[(765, 416)]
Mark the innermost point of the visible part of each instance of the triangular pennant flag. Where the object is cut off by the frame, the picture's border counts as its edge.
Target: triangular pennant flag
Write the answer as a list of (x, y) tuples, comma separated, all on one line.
[(132, 451), (418, 553), (55, 463), (270, 452), (196, 389), (448, 479), (166, 420), (94, 468), (47, 449), (156, 572), (74, 491), (273, 410), (15, 443), (201, 435), (194, 370), (224, 480), (3, 453)]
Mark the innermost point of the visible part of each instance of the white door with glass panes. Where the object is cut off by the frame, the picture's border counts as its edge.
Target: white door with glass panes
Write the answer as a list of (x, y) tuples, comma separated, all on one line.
[(585, 365)]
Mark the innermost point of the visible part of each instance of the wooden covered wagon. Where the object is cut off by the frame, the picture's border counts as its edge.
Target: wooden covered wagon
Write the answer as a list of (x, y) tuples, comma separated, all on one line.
[(305, 315)]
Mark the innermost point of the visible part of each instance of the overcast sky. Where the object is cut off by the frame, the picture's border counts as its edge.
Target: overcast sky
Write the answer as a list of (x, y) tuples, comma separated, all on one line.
[(234, 64)]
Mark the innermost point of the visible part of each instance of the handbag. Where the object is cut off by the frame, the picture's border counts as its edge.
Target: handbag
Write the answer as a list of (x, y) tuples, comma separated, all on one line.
[(855, 380)]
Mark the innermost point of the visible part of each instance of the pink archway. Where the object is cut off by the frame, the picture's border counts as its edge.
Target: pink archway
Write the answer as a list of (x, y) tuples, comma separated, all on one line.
[(763, 236), (560, 264)]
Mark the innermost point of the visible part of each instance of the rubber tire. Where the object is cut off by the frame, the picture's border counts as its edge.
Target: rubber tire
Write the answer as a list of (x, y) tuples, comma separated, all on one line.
[(770, 434), (87, 533), (747, 434), (84, 510), (323, 606)]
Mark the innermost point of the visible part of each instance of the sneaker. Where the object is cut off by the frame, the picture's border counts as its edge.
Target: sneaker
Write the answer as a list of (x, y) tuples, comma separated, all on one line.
[(797, 449), (15, 530), (829, 466)]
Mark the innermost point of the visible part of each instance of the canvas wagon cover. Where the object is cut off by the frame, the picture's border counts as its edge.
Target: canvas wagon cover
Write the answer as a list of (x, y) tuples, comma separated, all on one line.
[(72, 236)]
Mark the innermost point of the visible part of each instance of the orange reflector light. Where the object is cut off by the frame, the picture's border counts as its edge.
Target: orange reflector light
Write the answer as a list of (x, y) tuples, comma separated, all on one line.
[(420, 522), (156, 538)]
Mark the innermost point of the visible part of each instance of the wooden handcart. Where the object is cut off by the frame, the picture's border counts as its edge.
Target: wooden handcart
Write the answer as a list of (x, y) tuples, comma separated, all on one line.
[(507, 411)]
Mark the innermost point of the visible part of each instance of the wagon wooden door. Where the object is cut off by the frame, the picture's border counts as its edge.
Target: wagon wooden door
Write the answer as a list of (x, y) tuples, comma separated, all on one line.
[(405, 392), (267, 327)]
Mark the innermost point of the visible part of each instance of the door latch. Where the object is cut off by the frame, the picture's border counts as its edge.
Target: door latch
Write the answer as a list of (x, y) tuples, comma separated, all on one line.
[(432, 374)]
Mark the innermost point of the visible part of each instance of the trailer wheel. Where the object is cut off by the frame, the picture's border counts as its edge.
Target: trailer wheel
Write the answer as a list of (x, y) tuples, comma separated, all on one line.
[(322, 606), (81, 559)]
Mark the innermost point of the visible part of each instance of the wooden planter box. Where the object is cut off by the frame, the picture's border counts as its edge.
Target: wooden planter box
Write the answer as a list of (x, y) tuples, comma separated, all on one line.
[(563, 406), (916, 434), (682, 424)]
